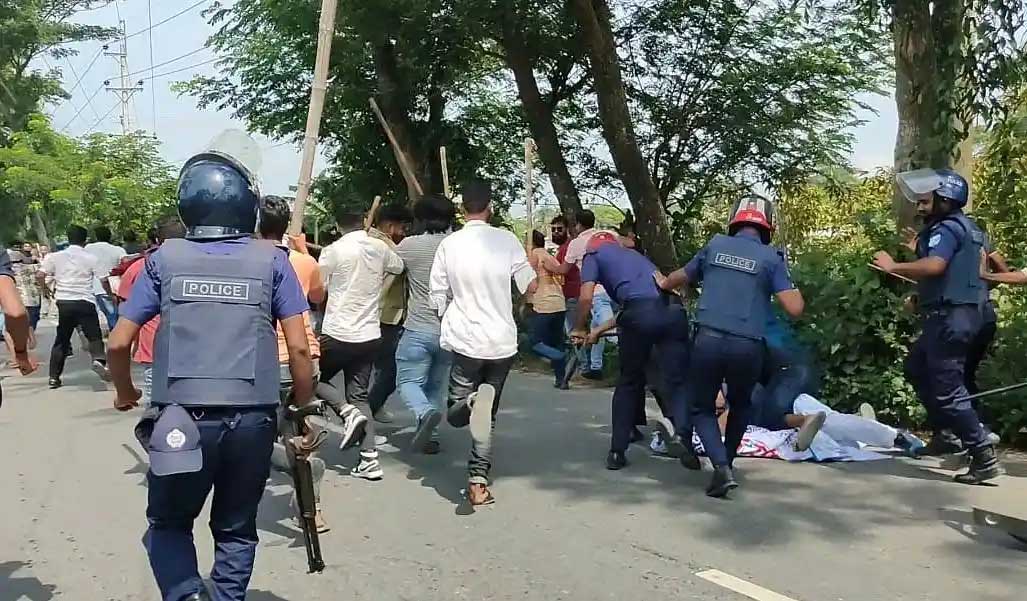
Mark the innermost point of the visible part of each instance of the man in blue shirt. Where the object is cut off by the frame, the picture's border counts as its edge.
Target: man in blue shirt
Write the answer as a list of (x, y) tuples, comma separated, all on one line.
[(739, 273), (215, 391), (951, 296), (649, 320)]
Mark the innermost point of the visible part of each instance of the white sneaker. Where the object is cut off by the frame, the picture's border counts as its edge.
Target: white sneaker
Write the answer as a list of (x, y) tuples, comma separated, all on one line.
[(353, 423), (380, 440), (656, 445), (369, 468)]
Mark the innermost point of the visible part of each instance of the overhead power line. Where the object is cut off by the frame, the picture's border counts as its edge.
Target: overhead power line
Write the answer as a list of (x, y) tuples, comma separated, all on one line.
[(167, 62), (101, 119), (174, 16), (78, 78), (159, 75), (79, 112)]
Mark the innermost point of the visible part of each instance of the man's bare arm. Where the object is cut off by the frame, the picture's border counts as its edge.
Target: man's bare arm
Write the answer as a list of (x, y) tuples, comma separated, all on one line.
[(300, 364)]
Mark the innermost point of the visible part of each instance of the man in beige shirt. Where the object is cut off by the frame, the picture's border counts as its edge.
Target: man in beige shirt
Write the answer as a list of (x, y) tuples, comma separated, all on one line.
[(390, 226)]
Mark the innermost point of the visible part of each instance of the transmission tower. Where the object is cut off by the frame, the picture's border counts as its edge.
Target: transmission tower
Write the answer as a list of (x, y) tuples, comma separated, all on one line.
[(125, 90)]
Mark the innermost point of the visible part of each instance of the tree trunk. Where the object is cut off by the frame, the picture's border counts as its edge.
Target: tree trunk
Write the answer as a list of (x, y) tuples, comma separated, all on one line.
[(914, 96), (593, 17), (393, 103), (40, 228), (540, 117)]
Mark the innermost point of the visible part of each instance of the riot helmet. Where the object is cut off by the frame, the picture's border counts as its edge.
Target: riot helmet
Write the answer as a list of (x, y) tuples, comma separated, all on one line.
[(916, 185), (753, 210), (218, 194)]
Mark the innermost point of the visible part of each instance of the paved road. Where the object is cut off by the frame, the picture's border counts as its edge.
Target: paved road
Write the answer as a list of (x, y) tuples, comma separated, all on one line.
[(73, 497)]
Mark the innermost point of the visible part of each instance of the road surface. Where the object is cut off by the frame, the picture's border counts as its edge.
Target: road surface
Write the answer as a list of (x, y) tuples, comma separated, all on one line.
[(563, 527)]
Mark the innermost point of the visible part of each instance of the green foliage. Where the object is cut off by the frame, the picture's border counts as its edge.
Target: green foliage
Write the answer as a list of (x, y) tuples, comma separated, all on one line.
[(31, 29), (118, 181), (854, 320)]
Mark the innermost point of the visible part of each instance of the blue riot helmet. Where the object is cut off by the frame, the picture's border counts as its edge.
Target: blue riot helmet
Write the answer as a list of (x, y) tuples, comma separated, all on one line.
[(943, 183), (217, 197)]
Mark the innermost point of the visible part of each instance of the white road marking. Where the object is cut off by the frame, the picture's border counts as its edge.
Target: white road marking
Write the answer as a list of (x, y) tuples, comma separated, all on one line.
[(742, 587)]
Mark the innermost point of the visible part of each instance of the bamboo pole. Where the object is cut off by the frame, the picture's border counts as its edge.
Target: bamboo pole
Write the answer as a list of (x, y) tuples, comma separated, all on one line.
[(445, 172), (325, 33), (404, 163), (529, 196)]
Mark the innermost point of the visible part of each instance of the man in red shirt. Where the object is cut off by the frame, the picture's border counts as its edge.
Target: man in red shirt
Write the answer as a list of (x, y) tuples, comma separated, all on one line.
[(167, 228)]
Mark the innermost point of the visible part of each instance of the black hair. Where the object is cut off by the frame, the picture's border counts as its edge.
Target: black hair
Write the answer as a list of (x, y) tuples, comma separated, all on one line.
[(130, 237), (151, 235), (434, 213), (348, 219), (559, 219), (77, 235), (477, 195), (586, 219), (102, 233), (168, 228), (274, 217), (393, 213), (537, 239)]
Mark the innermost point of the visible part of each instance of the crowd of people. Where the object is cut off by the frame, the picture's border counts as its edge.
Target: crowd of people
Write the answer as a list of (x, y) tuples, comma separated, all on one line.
[(231, 318)]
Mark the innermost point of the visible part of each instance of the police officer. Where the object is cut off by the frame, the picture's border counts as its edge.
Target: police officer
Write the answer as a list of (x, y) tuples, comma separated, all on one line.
[(739, 273), (950, 291), (215, 376), (649, 321)]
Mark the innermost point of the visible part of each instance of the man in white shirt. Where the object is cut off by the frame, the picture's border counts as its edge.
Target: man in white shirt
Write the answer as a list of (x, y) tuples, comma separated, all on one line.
[(353, 269), (470, 287), (602, 307), (107, 258), (74, 271)]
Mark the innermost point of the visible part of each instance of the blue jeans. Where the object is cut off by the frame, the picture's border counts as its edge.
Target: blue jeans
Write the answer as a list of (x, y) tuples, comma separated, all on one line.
[(422, 372), (602, 312), (106, 306), (237, 445), (547, 337)]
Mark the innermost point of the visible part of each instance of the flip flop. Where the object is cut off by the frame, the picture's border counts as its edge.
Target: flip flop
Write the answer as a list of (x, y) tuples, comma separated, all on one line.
[(489, 499)]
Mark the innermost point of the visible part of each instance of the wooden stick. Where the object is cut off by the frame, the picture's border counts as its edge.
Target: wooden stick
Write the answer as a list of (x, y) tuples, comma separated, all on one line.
[(369, 218), (894, 275), (404, 163), (445, 172), (529, 197), (325, 33)]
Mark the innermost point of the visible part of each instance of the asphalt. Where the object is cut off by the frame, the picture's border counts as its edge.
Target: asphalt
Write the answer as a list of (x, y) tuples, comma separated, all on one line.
[(73, 498)]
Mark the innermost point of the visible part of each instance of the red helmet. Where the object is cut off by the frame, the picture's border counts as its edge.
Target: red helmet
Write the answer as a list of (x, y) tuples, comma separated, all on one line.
[(753, 210), (600, 238)]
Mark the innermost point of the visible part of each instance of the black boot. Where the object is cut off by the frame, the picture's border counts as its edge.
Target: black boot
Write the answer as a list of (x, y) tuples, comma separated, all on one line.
[(983, 466), (200, 596), (722, 482), (689, 460), (616, 460), (943, 442)]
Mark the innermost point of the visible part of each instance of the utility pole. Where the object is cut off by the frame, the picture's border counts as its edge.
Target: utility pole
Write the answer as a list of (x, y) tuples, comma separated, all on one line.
[(124, 91), (325, 33)]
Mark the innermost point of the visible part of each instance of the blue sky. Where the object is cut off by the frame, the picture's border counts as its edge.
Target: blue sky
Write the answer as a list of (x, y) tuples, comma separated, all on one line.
[(184, 129)]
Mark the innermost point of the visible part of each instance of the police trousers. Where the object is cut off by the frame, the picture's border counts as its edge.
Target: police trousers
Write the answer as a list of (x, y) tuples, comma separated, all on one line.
[(718, 358), (935, 367), (645, 327), (237, 446)]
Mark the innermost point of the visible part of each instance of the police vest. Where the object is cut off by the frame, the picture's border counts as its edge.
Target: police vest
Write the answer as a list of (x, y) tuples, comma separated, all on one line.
[(961, 283), (216, 344), (736, 286)]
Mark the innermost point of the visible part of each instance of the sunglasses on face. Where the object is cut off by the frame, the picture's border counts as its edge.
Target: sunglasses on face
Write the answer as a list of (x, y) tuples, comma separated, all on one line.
[(557, 229)]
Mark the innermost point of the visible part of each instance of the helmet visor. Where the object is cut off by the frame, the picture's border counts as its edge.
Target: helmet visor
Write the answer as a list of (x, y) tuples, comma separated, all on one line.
[(917, 184), (238, 149)]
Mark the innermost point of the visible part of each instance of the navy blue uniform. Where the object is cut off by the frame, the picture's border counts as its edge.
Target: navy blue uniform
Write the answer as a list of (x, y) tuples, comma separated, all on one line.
[(738, 274), (649, 319), (951, 307), (215, 356)]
